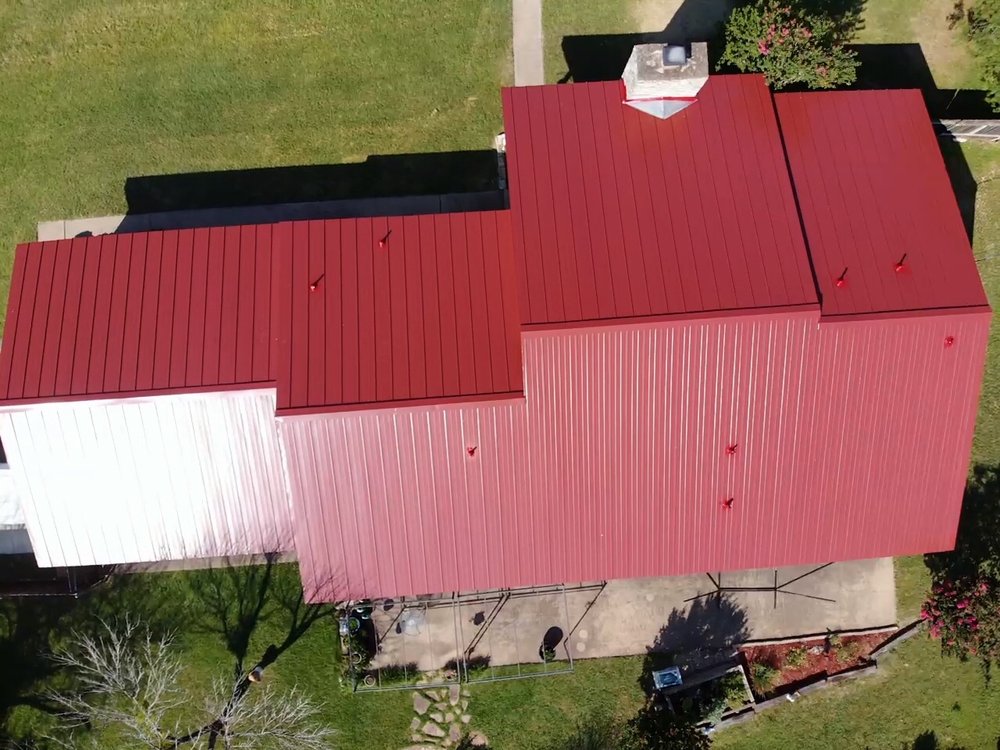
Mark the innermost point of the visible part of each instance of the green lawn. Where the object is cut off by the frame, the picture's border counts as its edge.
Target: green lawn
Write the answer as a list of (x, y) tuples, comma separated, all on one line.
[(95, 91), (915, 691), (530, 714)]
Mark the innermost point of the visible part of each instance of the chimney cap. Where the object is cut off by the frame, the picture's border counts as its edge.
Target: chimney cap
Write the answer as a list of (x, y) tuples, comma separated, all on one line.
[(674, 55)]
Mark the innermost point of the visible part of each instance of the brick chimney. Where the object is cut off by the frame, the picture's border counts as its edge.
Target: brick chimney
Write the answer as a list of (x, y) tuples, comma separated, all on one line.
[(663, 79)]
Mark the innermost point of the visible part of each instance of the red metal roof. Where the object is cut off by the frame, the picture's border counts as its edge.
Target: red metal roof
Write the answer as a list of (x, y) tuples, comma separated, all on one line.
[(398, 309), (618, 214), (127, 314), (875, 194), (412, 470), (851, 441)]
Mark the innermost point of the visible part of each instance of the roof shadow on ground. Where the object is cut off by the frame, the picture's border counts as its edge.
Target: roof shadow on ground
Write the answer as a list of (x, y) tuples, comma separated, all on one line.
[(381, 185), (601, 57)]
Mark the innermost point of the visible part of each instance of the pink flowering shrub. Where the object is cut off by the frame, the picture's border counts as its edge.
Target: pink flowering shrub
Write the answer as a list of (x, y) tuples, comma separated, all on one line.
[(788, 45), (962, 609), (965, 616)]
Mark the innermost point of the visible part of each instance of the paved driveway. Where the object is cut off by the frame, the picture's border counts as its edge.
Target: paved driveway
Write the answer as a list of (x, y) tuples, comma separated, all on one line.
[(633, 616)]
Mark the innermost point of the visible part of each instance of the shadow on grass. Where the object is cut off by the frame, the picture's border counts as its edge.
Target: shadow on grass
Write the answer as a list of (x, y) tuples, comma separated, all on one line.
[(236, 599), (970, 572), (32, 628), (977, 546), (929, 741), (602, 57), (363, 188), (704, 634)]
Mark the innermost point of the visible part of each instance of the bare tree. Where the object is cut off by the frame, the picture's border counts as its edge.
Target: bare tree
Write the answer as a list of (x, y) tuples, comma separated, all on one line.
[(129, 689)]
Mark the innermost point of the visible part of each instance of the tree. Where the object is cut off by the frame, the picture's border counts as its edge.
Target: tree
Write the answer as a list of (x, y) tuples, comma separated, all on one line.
[(129, 692), (984, 32), (963, 606), (790, 44), (965, 615), (656, 727)]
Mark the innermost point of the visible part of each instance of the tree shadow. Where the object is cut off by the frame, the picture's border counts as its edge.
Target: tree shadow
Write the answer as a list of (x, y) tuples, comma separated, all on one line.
[(847, 15), (32, 628), (703, 635), (236, 599), (977, 545), (928, 740)]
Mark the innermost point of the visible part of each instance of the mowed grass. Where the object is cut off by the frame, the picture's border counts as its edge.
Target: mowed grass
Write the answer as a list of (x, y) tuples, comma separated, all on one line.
[(916, 691), (530, 714), (93, 92)]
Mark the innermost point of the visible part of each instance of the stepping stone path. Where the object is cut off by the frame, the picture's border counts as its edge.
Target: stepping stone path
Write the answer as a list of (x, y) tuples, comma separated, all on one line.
[(446, 724), (420, 704)]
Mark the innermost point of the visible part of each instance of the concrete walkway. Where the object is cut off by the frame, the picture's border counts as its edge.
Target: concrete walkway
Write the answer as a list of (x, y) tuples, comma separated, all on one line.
[(635, 616), (529, 64)]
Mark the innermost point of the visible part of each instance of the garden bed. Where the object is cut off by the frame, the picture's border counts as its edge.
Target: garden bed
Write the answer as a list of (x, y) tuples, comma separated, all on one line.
[(774, 667)]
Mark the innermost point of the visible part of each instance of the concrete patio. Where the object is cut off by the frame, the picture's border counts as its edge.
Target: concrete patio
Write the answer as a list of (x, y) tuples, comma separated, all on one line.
[(678, 614)]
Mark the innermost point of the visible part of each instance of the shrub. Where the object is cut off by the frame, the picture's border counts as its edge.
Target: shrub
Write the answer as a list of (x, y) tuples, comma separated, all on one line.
[(764, 676), (734, 689), (797, 657), (984, 33), (727, 692), (657, 728), (849, 652), (789, 45), (963, 606), (965, 615)]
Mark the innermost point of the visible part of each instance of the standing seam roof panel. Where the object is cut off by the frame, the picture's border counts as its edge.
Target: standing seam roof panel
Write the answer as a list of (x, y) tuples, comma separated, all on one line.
[(152, 312), (687, 215), (423, 308), (874, 192)]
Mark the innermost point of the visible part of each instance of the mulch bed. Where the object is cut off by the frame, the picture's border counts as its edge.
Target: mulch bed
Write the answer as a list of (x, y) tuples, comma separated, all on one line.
[(830, 661)]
